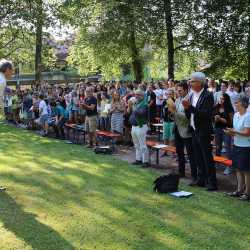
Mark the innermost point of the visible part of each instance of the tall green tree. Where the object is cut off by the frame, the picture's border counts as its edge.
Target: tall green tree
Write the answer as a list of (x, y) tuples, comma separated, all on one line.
[(124, 25), (222, 28)]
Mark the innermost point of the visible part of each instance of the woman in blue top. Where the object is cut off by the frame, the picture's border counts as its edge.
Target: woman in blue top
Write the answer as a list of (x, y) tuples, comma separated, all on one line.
[(241, 134)]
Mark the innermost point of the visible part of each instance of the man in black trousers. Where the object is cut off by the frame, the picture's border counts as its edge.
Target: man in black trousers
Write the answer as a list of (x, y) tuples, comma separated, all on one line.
[(199, 108), (183, 135)]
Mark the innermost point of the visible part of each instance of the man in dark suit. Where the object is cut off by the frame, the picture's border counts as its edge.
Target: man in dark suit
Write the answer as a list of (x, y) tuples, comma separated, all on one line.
[(199, 109)]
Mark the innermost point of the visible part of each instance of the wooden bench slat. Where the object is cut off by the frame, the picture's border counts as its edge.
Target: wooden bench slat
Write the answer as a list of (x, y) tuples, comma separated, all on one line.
[(218, 159), (107, 134), (151, 143), (223, 161), (68, 125)]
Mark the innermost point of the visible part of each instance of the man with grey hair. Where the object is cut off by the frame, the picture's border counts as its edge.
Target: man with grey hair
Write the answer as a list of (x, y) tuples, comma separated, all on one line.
[(6, 72), (199, 108), (138, 120)]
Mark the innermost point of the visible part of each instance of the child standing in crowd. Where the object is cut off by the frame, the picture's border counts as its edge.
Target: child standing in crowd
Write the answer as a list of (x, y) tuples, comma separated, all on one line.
[(43, 115), (168, 118)]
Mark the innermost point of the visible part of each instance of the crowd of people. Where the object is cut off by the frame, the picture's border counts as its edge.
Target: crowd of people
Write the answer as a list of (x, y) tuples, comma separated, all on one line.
[(195, 114)]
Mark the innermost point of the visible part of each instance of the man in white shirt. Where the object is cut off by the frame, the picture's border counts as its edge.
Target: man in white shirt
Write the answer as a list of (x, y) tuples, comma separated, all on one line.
[(6, 72)]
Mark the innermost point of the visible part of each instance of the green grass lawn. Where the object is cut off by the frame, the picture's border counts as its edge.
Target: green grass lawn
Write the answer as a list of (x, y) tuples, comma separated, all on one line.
[(65, 197)]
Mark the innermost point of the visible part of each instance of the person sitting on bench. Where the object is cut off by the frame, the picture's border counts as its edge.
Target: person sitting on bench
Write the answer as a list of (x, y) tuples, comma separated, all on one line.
[(61, 118)]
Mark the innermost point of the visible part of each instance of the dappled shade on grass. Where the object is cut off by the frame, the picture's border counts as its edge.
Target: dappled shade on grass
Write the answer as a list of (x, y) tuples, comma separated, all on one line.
[(26, 227), (73, 198)]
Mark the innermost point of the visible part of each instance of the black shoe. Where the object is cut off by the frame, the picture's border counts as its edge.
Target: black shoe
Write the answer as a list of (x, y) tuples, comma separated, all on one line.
[(234, 194), (245, 197), (137, 163), (211, 187), (196, 183), (2, 189)]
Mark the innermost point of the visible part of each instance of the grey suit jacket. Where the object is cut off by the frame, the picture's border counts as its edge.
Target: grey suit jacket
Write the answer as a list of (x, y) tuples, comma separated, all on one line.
[(181, 121)]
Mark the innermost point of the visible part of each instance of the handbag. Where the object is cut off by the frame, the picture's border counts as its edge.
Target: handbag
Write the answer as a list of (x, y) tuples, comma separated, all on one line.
[(166, 183), (104, 150)]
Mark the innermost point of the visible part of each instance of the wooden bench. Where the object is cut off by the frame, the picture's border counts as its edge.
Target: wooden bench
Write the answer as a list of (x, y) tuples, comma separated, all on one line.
[(107, 137), (154, 145), (77, 131), (223, 161)]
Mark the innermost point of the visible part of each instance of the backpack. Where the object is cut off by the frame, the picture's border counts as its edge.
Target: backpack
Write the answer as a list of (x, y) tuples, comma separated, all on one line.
[(166, 183), (104, 150)]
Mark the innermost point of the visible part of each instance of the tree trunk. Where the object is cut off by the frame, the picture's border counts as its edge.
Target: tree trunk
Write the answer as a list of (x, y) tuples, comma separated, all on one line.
[(170, 38), (39, 36), (136, 60)]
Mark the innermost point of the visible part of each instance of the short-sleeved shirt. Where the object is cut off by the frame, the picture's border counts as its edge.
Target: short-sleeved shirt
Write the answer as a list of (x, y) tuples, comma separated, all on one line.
[(91, 101), (240, 122), (43, 107), (60, 111)]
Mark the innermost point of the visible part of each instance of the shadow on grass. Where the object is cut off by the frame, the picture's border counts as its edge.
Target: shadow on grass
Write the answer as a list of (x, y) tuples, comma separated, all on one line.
[(26, 227)]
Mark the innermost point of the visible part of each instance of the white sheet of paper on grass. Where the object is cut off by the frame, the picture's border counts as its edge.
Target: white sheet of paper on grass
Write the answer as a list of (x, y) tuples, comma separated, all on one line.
[(181, 194)]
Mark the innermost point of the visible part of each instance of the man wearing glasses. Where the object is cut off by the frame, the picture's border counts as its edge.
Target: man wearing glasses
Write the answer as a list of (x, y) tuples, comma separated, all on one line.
[(199, 108)]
